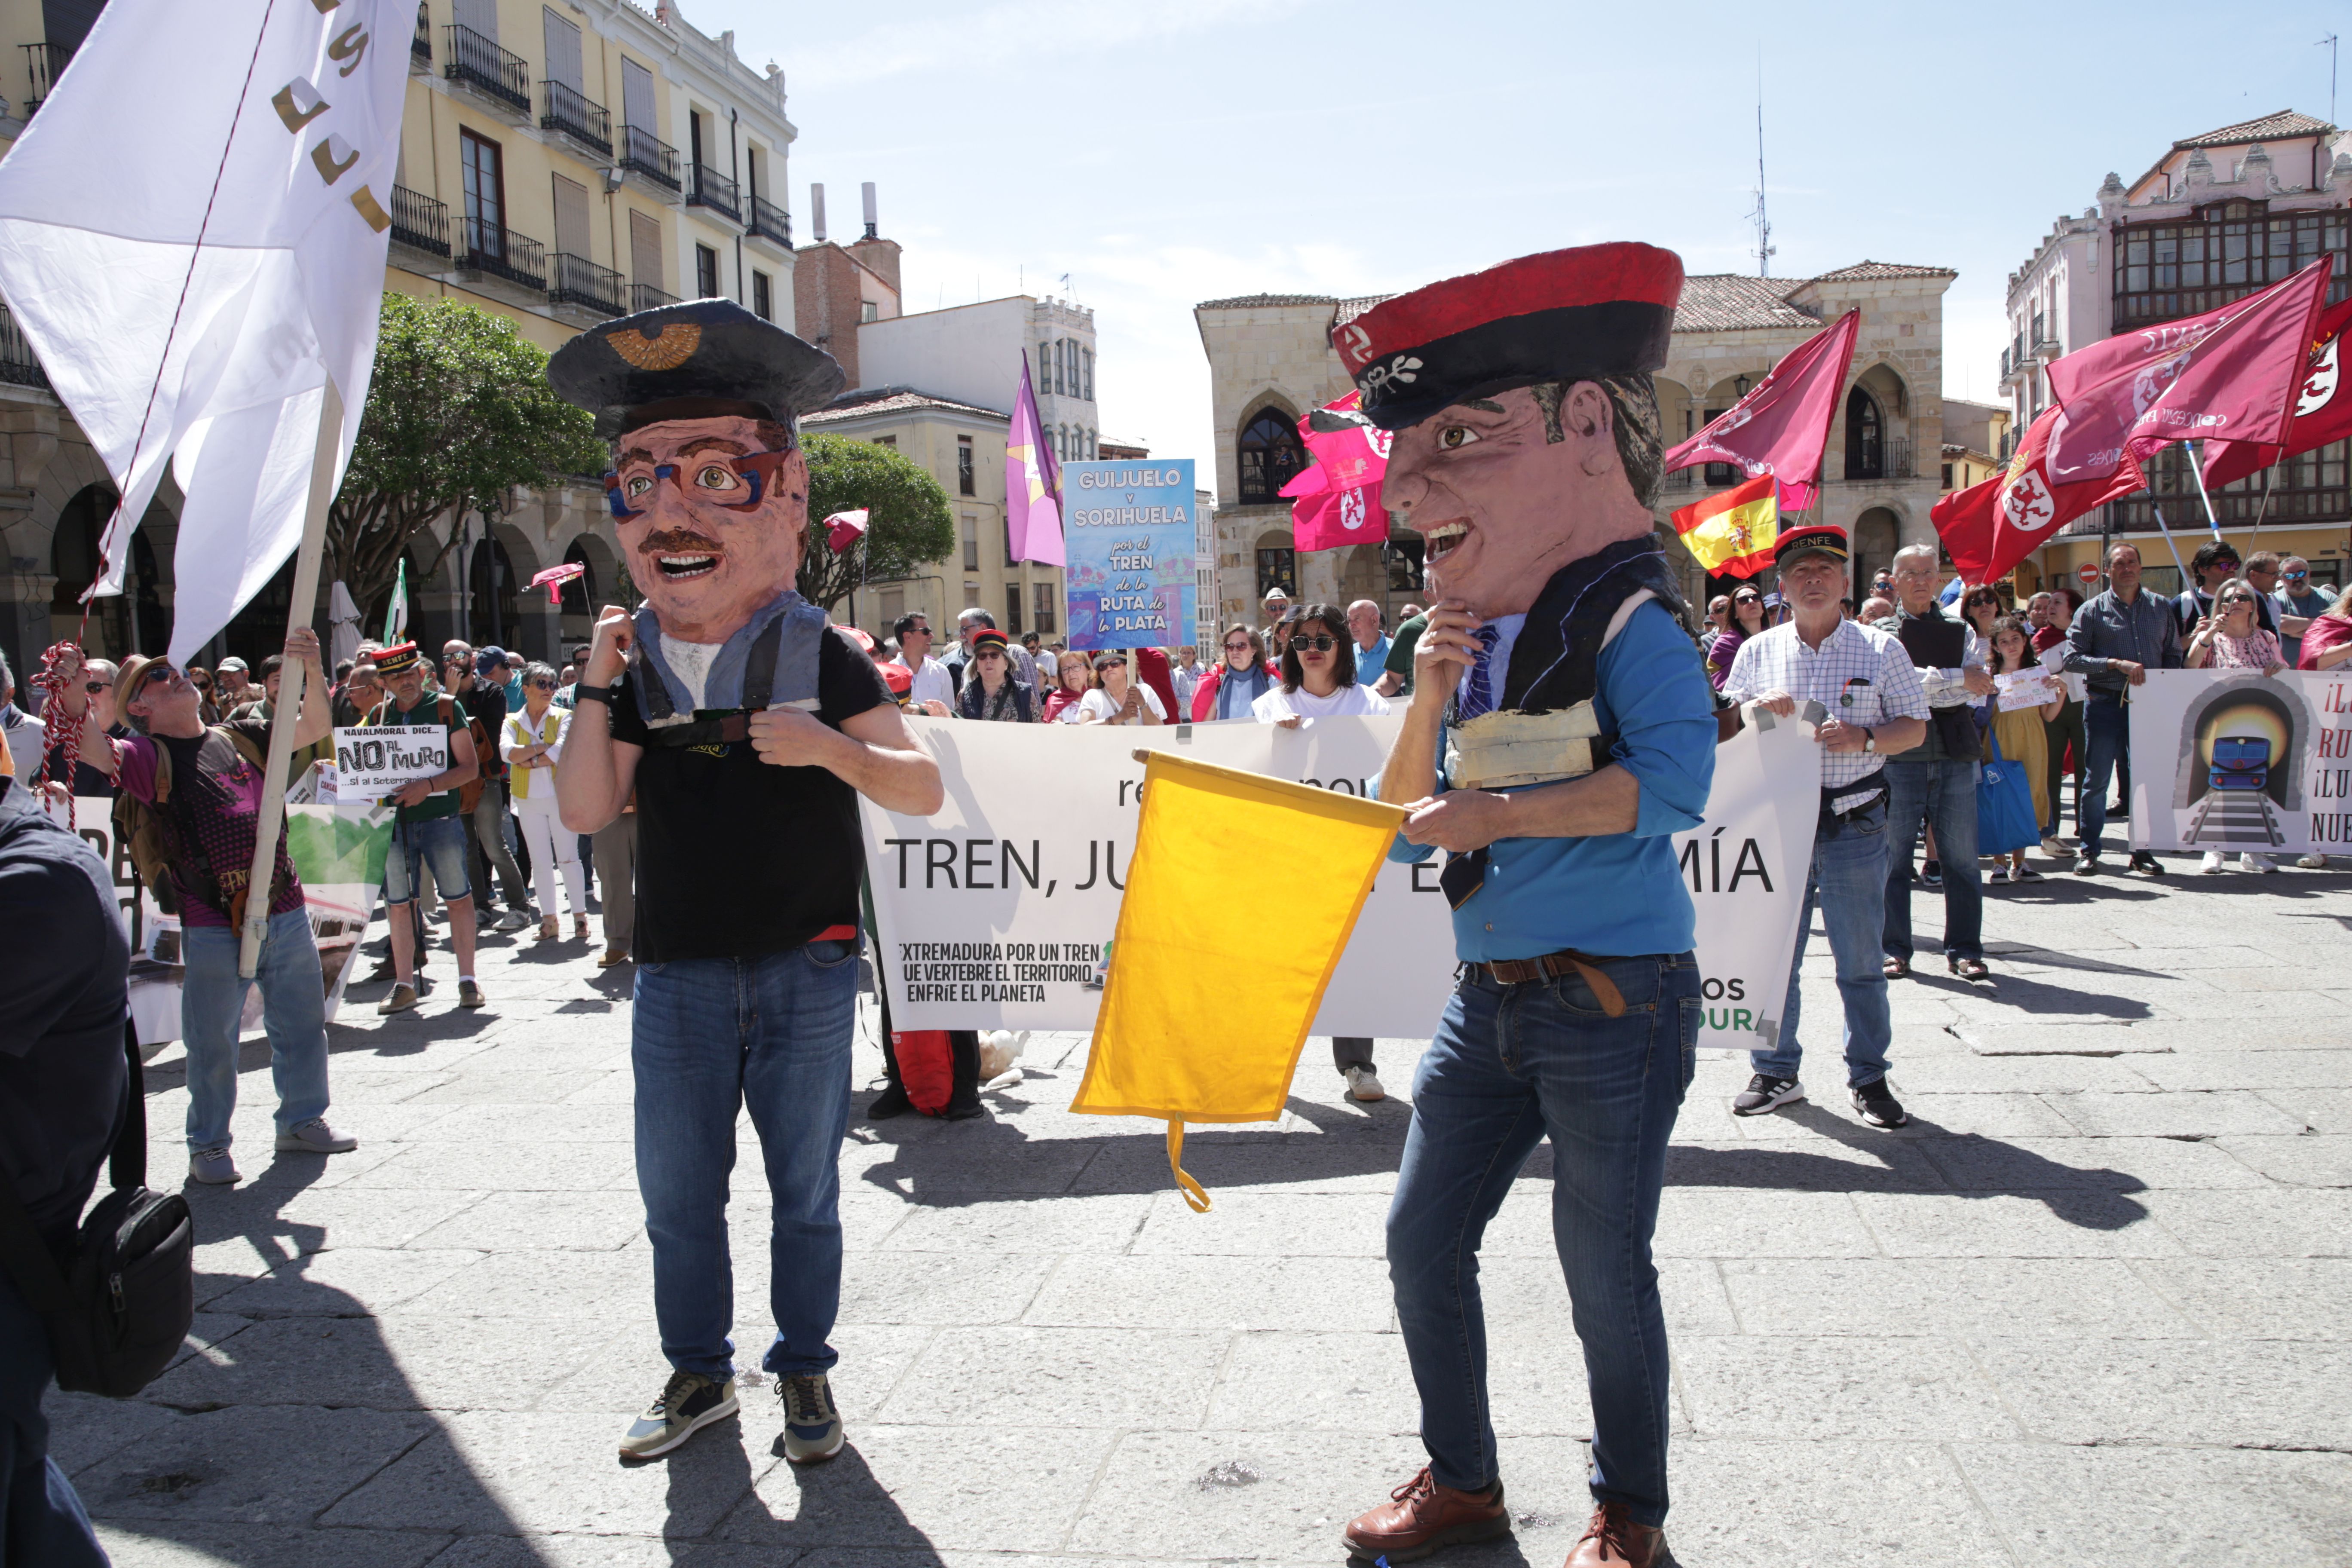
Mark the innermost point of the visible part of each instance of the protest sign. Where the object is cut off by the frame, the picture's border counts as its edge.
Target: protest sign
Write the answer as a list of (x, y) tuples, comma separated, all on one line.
[(994, 914), (1128, 531), (2233, 760), (2026, 688), (372, 762)]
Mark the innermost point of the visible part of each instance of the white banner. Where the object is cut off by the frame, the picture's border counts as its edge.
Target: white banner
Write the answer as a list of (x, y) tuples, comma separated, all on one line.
[(994, 912), (2233, 760), (375, 762)]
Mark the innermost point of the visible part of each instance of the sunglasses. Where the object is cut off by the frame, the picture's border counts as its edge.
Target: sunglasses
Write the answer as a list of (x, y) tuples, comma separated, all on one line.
[(1325, 643), (2295, 576), (541, 685), (1237, 648), (739, 484), (94, 686)]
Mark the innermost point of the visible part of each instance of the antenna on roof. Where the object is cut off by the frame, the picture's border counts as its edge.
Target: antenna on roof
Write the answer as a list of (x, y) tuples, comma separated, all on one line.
[(2330, 41), (1764, 250)]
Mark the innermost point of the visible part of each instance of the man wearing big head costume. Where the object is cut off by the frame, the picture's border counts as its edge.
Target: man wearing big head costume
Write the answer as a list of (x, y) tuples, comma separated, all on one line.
[(1561, 729), (748, 727)]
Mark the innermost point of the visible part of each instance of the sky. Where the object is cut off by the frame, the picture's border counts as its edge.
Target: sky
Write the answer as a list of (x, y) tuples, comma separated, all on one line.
[(1165, 154)]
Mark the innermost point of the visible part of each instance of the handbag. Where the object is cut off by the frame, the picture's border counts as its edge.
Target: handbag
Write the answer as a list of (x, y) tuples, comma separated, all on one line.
[(2005, 819), (120, 1307)]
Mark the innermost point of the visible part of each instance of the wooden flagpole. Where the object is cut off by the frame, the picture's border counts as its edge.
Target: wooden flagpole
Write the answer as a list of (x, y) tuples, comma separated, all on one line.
[(290, 682)]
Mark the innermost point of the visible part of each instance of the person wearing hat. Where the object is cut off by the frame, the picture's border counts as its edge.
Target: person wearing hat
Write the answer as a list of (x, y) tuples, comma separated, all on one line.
[(749, 728), (1871, 706), (231, 691), (211, 779), (1560, 729), (428, 827), (990, 689)]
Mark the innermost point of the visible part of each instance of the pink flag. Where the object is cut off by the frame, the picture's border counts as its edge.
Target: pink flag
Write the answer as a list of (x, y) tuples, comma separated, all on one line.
[(1336, 499), (1033, 482), (2229, 374), (554, 577), (1783, 423)]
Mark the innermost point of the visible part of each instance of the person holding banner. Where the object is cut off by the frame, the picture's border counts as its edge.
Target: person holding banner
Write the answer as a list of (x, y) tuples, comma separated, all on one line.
[(749, 727), (203, 786), (1071, 686), (2231, 639), (1118, 698), (428, 827), (990, 692), (1561, 731)]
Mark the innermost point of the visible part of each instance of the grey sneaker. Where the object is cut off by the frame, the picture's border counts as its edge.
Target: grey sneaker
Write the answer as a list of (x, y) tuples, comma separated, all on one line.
[(1364, 1084), (813, 1432), (1764, 1093), (689, 1403), (402, 997), (315, 1137), (213, 1167), (513, 920)]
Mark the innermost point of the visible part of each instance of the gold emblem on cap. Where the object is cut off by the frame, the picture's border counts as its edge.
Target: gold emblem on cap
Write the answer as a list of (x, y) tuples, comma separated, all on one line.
[(674, 346)]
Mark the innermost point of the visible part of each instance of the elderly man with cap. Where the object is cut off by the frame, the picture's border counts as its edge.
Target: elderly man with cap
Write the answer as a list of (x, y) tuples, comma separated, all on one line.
[(1561, 731), (1870, 704), (748, 728)]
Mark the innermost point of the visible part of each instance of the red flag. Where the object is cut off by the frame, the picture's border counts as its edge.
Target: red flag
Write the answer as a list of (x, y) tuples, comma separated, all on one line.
[(1336, 499), (844, 529), (1991, 527), (2323, 410), (2229, 374), (1783, 423)]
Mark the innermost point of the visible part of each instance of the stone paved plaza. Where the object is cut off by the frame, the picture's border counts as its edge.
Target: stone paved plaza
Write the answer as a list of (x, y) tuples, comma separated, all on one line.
[(2095, 1307)]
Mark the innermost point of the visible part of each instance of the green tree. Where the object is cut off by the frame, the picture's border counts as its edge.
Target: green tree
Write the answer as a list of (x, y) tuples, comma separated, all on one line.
[(909, 525), (459, 416)]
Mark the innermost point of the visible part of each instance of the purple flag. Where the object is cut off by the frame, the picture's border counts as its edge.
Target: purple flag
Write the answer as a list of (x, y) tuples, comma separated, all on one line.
[(1033, 483)]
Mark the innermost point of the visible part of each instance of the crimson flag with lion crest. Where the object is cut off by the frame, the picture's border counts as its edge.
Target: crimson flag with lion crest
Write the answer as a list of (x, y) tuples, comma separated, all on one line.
[(2322, 409), (1991, 527)]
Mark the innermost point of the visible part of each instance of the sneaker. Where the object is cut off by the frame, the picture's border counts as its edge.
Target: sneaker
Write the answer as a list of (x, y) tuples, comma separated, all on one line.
[(513, 920), (613, 955), (1997, 874), (1365, 1084), (813, 1432), (689, 1403), (2312, 862), (1877, 1104), (2086, 863), (1765, 1092), (213, 1167), (402, 997), (2252, 862), (2025, 874), (1932, 873), (2054, 850), (2142, 860), (2214, 863), (315, 1137), (469, 993)]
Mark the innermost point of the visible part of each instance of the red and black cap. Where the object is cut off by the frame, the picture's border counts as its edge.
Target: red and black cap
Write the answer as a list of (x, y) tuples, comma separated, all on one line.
[(985, 639), (701, 360), (1567, 315), (397, 658), (1813, 538)]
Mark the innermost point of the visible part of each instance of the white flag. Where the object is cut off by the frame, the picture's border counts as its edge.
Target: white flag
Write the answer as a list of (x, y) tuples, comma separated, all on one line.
[(275, 143)]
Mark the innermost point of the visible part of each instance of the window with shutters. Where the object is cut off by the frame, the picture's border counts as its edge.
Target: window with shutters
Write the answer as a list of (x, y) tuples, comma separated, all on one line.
[(644, 250), (1047, 598), (762, 296), (706, 272), (570, 217), (965, 476), (971, 545), (563, 36), (483, 171)]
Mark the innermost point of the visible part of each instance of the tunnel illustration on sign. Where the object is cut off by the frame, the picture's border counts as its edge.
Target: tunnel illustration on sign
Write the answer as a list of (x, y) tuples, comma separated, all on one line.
[(2243, 744)]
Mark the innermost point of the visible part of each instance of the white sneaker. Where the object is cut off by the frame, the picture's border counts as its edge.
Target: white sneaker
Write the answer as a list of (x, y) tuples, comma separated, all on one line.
[(513, 920), (2054, 850), (315, 1137), (213, 1167), (1365, 1084), (2214, 863), (2252, 862), (2314, 862)]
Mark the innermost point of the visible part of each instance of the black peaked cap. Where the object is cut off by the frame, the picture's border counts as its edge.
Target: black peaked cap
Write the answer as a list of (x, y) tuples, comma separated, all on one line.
[(704, 351)]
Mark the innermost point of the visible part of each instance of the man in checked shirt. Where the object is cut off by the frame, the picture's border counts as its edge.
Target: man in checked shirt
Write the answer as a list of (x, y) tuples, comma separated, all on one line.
[(1877, 707)]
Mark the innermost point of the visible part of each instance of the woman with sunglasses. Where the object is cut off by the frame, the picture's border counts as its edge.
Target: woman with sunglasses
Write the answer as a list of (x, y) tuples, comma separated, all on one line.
[(201, 679), (1241, 678), (1118, 698), (1072, 680), (530, 740), (1318, 673), (1980, 606), (1746, 620), (2232, 637), (990, 692)]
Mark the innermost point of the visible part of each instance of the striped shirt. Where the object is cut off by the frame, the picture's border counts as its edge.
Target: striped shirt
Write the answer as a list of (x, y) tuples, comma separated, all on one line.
[(1859, 673)]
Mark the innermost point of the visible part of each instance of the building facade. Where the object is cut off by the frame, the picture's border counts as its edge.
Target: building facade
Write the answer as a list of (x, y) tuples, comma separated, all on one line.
[(1270, 361), (560, 165), (2215, 219)]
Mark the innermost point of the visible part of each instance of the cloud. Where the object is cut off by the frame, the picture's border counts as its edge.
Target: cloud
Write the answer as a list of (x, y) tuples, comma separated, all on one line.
[(1010, 33)]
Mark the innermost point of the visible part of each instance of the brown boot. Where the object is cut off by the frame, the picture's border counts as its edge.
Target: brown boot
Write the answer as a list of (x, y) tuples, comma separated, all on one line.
[(1612, 1538), (1422, 1516)]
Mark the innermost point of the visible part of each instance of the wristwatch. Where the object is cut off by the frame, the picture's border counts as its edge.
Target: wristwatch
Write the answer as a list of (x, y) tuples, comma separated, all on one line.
[(592, 694), (1870, 740)]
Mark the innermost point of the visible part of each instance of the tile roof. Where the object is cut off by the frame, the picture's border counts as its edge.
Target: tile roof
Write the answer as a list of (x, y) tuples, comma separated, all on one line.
[(1728, 301), (2270, 127), (1244, 301), (893, 400), (1351, 308), (1870, 270)]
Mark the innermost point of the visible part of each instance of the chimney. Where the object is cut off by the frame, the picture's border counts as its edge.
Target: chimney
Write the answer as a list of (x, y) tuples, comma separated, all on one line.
[(816, 211), (871, 231)]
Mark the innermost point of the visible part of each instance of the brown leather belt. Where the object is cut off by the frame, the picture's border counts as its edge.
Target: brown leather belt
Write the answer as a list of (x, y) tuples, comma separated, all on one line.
[(1554, 966)]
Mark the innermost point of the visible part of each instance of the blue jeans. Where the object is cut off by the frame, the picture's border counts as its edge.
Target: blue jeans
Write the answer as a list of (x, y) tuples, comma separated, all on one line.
[(1510, 1065), (442, 839), (713, 1036), (41, 1519), (1848, 884), (1943, 795), (2108, 723), (293, 1011)]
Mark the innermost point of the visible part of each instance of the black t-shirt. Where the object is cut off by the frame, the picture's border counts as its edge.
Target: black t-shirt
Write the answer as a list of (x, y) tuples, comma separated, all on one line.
[(63, 999), (487, 703), (737, 858)]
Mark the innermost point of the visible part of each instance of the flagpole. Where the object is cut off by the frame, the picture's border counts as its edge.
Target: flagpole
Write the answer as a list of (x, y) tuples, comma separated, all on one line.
[(271, 812), (2264, 511), (2156, 507), (2197, 468)]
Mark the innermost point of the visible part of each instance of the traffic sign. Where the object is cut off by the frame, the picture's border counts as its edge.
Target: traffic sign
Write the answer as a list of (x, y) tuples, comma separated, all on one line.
[(2088, 573)]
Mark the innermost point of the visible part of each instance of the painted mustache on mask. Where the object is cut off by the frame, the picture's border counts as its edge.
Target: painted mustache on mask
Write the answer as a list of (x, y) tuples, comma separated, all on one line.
[(679, 554), (677, 538)]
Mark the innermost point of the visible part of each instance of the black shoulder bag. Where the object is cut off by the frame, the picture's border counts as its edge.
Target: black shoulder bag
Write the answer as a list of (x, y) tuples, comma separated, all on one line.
[(116, 1310)]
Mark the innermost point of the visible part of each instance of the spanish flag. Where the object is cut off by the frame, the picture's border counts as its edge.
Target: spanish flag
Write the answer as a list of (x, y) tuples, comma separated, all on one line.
[(1203, 1018), (1733, 533)]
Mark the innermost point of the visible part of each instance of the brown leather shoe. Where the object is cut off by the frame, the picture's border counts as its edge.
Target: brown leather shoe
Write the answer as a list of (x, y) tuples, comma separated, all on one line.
[(1612, 1538), (1422, 1516)]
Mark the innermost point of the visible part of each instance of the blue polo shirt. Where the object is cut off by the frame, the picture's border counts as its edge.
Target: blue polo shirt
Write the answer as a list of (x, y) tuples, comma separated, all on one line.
[(1620, 894)]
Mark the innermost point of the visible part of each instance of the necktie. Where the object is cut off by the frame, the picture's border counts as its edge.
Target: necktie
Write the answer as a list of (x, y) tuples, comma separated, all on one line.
[(1464, 874)]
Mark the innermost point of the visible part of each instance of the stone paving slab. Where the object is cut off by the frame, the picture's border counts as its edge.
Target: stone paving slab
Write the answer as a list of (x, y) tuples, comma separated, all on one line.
[(2094, 1306)]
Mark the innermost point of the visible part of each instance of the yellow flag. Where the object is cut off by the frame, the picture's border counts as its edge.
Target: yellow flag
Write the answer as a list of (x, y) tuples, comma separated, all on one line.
[(1203, 1016)]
